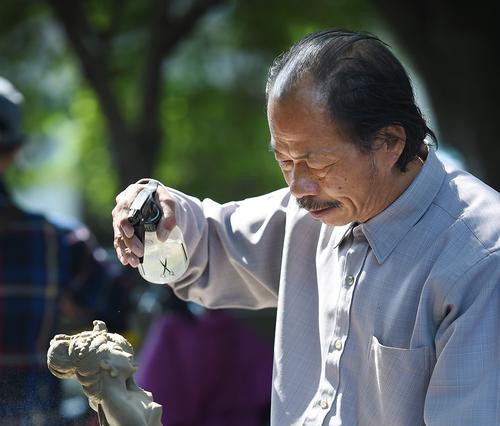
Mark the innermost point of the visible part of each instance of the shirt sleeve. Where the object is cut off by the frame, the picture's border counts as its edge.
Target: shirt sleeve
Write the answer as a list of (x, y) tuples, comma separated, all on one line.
[(235, 250), (465, 384)]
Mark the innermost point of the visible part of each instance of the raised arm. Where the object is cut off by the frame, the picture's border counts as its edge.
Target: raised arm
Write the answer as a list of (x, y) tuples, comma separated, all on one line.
[(234, 249)]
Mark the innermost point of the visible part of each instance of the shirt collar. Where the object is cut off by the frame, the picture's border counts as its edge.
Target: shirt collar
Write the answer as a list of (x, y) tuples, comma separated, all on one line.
[(388, 228), (340, 232)]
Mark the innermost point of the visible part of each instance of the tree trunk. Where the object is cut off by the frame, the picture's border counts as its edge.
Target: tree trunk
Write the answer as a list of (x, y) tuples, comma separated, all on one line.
[(454, 47), (134, 151), (135, 143)]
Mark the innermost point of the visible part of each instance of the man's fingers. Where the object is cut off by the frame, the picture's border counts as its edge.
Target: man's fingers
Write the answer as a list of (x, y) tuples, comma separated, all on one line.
[(121, 249), (126, 229), (127, 246), (125, 255), (132, 244)]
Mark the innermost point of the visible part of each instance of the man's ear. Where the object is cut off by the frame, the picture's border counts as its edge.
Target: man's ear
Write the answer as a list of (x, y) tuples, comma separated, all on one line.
[(393, 140)]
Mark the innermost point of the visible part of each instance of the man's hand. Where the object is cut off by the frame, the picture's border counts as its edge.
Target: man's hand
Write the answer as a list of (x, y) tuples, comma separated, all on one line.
[(127, 245)]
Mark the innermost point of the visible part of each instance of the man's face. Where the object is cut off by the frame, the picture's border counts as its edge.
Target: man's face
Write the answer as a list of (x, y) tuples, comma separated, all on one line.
[(328, 174)]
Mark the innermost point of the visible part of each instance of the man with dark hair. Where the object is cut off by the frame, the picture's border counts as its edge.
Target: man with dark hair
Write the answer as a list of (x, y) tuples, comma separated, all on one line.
[(382, 261), (49, 271)]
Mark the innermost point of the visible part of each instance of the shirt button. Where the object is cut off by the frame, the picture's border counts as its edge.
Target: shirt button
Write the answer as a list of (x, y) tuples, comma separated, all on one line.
[(323, 404), (338, 344), (349, 280)]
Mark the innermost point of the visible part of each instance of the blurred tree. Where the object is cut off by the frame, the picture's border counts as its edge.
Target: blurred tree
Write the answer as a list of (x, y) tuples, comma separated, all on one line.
[(176, 87), (454, 46), (124, 43)]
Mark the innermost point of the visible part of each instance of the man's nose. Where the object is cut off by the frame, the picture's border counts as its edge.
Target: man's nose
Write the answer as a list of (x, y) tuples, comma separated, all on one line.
[(301, 182)]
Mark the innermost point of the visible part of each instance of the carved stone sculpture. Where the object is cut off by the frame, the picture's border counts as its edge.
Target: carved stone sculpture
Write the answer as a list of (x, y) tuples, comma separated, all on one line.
[(104, 365)]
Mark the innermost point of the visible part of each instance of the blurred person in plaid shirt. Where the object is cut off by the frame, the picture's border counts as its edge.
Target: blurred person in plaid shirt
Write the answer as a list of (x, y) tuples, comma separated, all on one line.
[(48, 272)]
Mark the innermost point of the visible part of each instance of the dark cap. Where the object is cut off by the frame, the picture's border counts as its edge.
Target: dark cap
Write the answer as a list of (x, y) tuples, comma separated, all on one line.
[(10, 115)]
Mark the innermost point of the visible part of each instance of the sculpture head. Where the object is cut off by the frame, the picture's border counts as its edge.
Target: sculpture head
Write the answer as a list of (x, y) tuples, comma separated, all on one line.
[(91, 357)]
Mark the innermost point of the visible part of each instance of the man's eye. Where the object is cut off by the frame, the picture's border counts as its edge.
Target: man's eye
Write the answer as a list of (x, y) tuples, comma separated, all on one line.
[(286, 165), (317, 166)]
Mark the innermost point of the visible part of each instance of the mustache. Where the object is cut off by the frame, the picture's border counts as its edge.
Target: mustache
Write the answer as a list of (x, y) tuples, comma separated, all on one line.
[(311, 203)]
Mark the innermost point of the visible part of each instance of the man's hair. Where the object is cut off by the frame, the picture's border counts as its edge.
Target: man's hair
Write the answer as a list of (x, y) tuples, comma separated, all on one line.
[(362, 84)]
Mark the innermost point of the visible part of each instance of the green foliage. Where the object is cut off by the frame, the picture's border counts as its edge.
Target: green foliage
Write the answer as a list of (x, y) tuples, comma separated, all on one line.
[(96, 178), (213, 111)]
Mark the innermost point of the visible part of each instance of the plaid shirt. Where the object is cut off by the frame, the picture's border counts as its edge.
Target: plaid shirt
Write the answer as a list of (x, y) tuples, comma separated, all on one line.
[(46, 270)]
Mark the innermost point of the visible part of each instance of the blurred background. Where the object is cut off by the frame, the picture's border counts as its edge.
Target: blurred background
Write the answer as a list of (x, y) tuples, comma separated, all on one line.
[(116, 90)]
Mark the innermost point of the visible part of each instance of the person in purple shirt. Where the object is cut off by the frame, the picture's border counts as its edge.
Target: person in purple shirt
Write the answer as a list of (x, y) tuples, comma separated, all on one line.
[(195, 363), (382, 261)]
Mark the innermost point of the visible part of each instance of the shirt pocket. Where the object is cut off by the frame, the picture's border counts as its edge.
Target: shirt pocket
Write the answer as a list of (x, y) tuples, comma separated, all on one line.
[(395, 385)]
